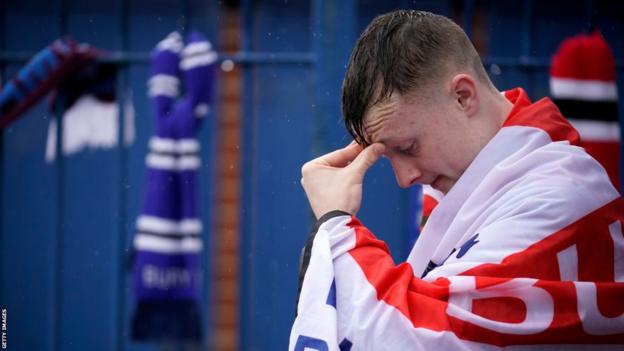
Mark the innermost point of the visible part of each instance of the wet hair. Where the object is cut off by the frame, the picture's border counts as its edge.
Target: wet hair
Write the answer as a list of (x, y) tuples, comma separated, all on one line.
[(401, 52)]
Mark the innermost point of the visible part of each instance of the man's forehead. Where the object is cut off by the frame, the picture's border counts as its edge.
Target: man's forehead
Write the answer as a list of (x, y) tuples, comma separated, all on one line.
[(378, 117)]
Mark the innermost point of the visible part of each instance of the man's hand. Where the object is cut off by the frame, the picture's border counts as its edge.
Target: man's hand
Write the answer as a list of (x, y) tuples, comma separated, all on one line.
[(334, 181)]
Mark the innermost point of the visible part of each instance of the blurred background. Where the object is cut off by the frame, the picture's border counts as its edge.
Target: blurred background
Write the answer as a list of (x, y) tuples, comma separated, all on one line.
[(67, 219)]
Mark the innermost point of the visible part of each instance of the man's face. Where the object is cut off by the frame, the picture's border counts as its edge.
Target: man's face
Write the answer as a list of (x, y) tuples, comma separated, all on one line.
[(426, 141)]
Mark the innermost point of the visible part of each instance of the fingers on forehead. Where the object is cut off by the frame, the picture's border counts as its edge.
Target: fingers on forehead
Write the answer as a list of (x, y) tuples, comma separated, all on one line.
[(342, 157)]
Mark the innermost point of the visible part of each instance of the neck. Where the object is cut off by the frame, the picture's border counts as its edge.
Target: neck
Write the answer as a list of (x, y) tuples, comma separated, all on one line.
[(495, 108), (501, 107)]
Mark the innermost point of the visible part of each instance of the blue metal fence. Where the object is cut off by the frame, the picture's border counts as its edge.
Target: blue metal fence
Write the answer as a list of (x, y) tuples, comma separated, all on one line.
[(66, 227)]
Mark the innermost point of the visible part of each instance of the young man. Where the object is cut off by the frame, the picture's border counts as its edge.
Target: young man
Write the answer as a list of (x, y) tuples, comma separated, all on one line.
[(526, 246)]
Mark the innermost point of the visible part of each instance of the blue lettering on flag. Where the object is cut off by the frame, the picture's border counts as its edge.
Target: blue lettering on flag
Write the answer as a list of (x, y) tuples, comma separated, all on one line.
[(331, 297), (304, 342), (467, 245), (345, 345)]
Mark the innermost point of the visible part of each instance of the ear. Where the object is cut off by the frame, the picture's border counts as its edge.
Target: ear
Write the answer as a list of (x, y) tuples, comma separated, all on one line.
[(464, 89)]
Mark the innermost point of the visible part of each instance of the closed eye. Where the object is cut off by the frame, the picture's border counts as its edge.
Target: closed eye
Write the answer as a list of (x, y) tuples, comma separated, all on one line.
[(407, 150)]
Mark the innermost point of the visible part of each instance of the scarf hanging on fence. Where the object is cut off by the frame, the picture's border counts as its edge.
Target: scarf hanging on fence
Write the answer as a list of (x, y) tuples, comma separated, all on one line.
[(41, 74), (168, 242)]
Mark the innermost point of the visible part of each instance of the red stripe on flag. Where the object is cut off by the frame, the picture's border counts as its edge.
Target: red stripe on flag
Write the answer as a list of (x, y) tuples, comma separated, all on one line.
[(608, 154), (425, 303), (421, 302), (543, 114)]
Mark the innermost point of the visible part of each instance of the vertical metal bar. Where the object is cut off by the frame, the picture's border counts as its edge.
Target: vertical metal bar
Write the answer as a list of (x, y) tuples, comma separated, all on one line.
[(3, 34), (121, 89), (317, 29), (527, 41), (60, 221), (589, 15), (334, 24), (208, 210), (527, 44), (319, 135), (186, 17), (248, 215), (63, 26), (60, 202), (468, 17)]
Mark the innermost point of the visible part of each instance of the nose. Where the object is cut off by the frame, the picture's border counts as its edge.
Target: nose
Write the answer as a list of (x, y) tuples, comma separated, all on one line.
[(406, 172)]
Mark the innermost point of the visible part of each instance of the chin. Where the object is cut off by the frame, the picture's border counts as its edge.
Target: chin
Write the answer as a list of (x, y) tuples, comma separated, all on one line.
[(442, 184)]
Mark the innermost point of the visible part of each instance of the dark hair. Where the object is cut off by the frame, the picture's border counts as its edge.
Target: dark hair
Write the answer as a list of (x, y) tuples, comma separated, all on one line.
[(401, 51)]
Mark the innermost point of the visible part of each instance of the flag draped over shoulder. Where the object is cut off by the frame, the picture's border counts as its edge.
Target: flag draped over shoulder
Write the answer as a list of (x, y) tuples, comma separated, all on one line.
[(526, 250), (168, 241)]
